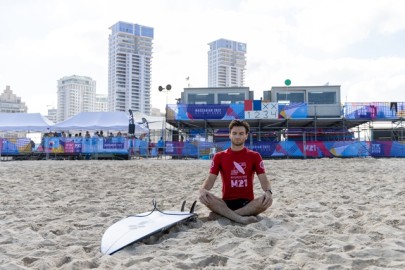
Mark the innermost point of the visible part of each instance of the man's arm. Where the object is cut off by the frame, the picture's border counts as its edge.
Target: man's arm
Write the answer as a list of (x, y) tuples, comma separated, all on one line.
[(206, 186), (266, 186), (209, 182), (264, 182)]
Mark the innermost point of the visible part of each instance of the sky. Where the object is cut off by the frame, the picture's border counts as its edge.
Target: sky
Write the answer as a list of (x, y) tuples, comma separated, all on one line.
[(357, 44)]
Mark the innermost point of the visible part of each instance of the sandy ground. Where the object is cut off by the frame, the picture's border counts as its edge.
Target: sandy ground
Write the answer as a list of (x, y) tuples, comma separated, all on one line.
[(327, 214)]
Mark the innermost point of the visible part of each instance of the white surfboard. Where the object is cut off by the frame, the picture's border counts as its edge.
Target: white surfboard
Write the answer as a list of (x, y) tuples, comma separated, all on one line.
[(137, 227)]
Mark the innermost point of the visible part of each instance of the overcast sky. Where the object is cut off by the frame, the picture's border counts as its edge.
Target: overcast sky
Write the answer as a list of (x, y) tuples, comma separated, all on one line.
[(358, 44)]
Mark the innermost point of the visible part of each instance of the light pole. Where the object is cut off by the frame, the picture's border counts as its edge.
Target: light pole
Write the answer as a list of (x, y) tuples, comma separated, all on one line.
[(167, 88), (287, 83)]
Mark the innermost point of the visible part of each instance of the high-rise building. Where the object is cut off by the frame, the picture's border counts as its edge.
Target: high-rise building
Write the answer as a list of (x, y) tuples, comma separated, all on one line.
[(52, 115), (101, 103), (76, 94), (10, 103), (226, 63), (129, 67)]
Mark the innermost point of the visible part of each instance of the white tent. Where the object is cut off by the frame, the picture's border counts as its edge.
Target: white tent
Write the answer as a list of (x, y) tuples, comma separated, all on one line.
[(24, 122), (118, 121)]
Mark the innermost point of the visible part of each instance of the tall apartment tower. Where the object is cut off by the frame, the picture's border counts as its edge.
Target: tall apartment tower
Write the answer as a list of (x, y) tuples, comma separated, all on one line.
[(75, 94), (226, 63), (129, 67), (52, 115), (101, 103)]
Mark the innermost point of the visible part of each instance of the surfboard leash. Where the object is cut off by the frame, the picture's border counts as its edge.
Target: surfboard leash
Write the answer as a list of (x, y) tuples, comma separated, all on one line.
[(155, 208), (182, 210)]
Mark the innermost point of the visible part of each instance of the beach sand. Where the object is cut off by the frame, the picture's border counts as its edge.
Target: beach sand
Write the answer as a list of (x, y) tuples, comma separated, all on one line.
[(327, 214)]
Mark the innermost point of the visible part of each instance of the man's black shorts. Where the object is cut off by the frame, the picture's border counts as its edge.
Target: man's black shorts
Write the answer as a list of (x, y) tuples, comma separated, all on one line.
[(236, 204)]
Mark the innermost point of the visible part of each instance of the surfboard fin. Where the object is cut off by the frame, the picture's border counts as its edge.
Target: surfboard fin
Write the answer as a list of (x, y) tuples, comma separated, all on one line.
[(154, 204), (182, 206), (192, 207)]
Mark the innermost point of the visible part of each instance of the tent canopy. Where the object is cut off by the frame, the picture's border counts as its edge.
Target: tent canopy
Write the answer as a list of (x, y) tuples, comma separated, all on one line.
[(118, 121), (24, 122)]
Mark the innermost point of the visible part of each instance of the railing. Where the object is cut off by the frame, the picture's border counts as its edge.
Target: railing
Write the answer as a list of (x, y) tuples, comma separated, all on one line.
[(119, 146), (374, 110)]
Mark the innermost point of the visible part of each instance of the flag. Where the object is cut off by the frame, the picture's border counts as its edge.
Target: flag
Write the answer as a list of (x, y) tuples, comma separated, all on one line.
[(248, 105), (257, 105)]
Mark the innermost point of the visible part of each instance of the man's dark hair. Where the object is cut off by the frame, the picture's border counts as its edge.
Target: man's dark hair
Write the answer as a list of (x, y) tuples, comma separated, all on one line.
[(239, 123)]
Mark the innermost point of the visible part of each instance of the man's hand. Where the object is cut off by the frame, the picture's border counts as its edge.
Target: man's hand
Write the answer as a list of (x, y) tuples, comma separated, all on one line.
[(268, 199), (204, 196)]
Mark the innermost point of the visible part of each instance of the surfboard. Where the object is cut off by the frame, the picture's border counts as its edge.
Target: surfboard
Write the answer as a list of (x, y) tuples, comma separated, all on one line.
[(135, 228)]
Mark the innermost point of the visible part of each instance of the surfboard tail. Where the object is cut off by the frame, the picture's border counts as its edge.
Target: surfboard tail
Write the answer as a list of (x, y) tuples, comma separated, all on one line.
[(191, 209)]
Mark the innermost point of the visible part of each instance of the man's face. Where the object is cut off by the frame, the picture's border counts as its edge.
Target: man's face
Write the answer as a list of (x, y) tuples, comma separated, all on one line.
[(238, 136)]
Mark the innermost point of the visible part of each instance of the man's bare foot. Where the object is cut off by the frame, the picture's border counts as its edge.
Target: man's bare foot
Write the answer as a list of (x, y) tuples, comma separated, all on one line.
[(243, 219)]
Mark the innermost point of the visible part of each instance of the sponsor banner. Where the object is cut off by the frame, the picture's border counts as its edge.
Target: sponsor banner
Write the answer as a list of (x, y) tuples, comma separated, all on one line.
[(202, 112), (293, 110), (195, 149)]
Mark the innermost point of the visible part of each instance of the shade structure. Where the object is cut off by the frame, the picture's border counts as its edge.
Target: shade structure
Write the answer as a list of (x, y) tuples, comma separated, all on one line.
[(24, 122), (117, 121)]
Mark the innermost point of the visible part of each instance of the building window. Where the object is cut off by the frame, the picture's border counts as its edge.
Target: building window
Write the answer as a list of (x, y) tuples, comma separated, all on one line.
[(201, 98), (231, 98), (322, 97), (291, 97)]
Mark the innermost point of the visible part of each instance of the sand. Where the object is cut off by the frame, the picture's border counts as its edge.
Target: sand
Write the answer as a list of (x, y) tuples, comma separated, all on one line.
[(327, 214)]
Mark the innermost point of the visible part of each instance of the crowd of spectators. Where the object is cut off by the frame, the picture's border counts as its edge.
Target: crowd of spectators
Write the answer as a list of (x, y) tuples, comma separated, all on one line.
[(87, 134)]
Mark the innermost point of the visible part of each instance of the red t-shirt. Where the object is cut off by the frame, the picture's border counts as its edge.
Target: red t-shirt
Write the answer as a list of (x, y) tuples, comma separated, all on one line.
[(237, 170)]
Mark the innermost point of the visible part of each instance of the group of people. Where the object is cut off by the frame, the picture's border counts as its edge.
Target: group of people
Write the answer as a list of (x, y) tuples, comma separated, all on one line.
[(101, 134), (87, 134)]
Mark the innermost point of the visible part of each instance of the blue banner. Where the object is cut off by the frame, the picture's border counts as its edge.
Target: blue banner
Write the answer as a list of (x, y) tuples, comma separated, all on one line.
[(198, 149), (210, 111)]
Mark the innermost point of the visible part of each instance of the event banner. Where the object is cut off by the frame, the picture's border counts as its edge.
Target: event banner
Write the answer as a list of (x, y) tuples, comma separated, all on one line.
[(251, 109), (299, 149), (293, 110), (72, 145), (116, 145), (15, 146), (209, 111), (258, 109), (201, 149), (374, 110)]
